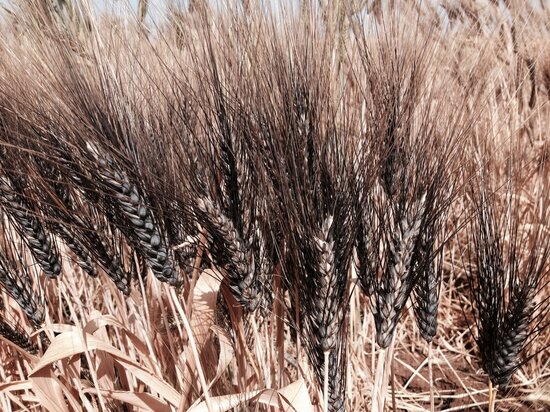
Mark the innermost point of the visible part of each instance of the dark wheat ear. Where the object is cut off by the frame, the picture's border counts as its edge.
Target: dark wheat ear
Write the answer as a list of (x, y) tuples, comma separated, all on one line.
[(142, 229), (17, 283), (83, 257), (229, 251), (81, 225), (30, 228), (100, 238), (264, 258), (367, 246), (508, 266), (17, 336), (228, 189), (337, 379), (326, 305), (427, 287), (314, 201), (393, 290), (326, 317), (55, 194), (514, 335)]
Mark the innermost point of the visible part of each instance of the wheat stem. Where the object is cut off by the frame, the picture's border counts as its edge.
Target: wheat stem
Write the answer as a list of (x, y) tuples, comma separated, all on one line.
[(325, 380), (278, 310), (492, 396), (393, 402), (380, 386), (378, 406), (194, 350), (430, 376)]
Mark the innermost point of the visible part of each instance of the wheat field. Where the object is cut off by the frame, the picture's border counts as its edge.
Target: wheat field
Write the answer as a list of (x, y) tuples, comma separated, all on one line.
[(298, 206)]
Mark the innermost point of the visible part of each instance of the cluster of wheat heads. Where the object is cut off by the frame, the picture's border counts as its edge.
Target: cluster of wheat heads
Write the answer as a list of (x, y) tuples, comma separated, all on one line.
[(244, 208)]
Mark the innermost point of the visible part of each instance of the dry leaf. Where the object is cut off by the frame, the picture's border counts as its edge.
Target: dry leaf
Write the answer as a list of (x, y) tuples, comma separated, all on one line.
[(225, 402), (294, 397), (69, 344), (144, 401)]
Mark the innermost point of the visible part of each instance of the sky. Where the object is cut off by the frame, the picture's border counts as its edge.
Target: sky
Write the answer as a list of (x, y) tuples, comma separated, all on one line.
[(157, 8)]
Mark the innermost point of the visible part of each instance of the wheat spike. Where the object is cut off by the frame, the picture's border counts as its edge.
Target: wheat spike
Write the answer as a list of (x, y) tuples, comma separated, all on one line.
[(19, 287), (30, 228), (426, 289), (393, 291), (142, 224), (230, 251), (84, 258), (17, 336), (505, 308)]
